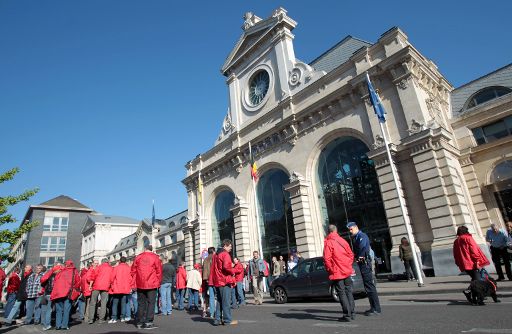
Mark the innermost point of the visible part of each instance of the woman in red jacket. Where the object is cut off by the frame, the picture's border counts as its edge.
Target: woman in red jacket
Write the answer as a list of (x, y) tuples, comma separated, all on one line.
[(120, 288), (181, 285), (468, 256)]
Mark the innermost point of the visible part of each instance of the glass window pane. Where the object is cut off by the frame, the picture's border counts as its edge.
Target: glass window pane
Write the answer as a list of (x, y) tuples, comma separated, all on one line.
[(495, 131), (485, 96), (47, 223), (478, 133), (64, 224)]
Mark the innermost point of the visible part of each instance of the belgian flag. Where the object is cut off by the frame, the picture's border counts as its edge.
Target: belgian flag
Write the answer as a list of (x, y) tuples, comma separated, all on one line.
[(252, 166)]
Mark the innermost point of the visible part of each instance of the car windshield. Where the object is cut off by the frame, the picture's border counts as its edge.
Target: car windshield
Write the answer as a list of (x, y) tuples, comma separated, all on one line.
[(301, 269)]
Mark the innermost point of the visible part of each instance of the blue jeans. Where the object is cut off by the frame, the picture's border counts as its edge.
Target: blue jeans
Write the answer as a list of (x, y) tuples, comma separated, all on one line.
[(131, 299), (33, 307), (193, 298), (14, 311), (62, 309), (115, 306), (240, 293), (180, 296), (211, 302), (46, 312), (223, 304), (166, 298), (11, 299)]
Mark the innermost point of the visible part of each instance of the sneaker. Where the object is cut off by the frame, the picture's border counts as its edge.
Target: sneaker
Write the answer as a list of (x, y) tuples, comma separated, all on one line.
[(216, 323), (90, 322), (47, 328), (370, 313), (139, 326), (232, 323), (149, 326), (101, 322), (112, 321), (127, 319)]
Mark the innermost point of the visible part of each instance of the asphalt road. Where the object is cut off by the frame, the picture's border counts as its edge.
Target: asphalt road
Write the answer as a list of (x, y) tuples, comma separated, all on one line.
[(447, 313)]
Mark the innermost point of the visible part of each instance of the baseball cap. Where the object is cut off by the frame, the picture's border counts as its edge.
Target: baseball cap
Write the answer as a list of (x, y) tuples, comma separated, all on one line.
[(350, 224)]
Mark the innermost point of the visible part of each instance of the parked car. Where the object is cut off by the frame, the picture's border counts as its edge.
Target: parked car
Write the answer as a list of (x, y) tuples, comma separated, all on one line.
[(310, 279)]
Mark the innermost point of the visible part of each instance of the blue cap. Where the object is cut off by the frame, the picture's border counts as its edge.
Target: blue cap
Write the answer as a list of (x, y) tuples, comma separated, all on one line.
[(350, 224)]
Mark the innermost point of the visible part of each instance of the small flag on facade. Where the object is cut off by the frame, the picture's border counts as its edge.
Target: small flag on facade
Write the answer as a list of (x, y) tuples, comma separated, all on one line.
[(252, 166), (375, 100)]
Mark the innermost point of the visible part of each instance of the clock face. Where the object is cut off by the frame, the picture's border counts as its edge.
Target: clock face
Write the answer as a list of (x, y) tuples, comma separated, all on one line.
[(258, 87)]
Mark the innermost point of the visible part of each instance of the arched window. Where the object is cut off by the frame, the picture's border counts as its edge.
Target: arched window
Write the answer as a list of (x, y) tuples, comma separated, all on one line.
[(486, 94), (172, 224), (183, 220), (223, 225), (502, 172)]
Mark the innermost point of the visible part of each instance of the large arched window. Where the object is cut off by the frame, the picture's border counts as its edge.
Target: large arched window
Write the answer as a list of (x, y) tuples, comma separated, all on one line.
[(349, 191), (486, 94), (501, 185), (278, 234), (223, 225)]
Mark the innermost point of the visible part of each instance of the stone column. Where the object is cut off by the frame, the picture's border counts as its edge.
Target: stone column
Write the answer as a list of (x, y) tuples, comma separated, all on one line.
[(189, 246), (199, 230), (240, 210), (303, 226)]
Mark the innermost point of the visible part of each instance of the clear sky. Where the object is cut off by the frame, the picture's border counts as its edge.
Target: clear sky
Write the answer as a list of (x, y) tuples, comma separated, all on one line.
[(105, 101)]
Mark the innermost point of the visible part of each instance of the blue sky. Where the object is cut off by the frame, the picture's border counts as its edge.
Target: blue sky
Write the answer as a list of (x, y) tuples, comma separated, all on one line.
[(105, 101)]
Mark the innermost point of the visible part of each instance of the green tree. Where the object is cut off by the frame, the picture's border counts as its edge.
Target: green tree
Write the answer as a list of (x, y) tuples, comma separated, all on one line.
[(9, 237)]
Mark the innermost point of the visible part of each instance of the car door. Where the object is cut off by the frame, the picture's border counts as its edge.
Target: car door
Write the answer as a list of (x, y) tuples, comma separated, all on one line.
[(298, 282), (319, 279)]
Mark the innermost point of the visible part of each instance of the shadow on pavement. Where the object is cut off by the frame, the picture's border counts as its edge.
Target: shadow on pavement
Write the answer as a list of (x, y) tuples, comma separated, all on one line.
[(451, 302)]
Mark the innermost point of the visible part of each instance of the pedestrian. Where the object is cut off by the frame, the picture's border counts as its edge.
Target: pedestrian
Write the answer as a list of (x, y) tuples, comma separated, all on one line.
[(468, 256), (47, 282), (298, 258), (194, 282), (257, 274), (2, 279), (209, 291), (99, 282), (147, 270), (33, 303), (168, 275), (66, 287), (120, 287), (237, 294), (282, 264), (222, 277), (181, 285), (291, 263), (406, 256), (13, 284), (21, 296), (362, 251), (85, 298), (131, 301), (276, 268), (338, 260), (497, 239)]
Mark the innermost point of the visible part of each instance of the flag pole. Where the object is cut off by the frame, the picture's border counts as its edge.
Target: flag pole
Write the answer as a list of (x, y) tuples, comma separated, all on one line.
[(379, 110)]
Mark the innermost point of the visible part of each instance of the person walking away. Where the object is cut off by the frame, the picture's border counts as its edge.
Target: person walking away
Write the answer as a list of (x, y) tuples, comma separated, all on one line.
[(147, 270), (33, 296), (194, 281), (66, 281), (209, 291), (237, 294), (168, 274), (338, 259), (497, 240), (21, 295), (181, 285), (13, 284), (121, 287), (405, 253), (257, 273), (362, 251), (222, 277), (467, 255), (99, 282), (47, 282)]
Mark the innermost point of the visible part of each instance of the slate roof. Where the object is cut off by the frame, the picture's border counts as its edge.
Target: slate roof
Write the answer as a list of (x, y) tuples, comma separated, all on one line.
[(64, 201), (338, 54)]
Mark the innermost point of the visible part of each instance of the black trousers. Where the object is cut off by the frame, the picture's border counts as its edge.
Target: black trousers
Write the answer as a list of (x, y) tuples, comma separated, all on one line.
[(497, 255), (369, 285), (146, 309), (344, 289)]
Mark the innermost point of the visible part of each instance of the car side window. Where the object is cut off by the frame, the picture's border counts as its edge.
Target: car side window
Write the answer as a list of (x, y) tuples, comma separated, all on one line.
[(302, 269), (319, 265)]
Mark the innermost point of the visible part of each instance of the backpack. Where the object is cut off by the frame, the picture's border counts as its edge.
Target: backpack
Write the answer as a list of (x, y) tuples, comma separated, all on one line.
[(267, 270)]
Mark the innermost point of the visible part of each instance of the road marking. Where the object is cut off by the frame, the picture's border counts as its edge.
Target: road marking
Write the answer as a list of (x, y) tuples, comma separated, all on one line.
[(335, 325), (488, 330)]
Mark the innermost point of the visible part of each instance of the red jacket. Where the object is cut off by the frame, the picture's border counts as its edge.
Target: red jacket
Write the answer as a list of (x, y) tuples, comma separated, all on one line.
[(13, 284), (64, 280), (338, 257), (239, 272), (100, 277), (121, 280), (221, 272), (181, 278), (2, 279), (467, 254), (84, 282), (147, 270)]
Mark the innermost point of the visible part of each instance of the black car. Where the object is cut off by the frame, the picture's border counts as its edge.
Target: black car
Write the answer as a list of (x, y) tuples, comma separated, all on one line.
[(309, 279)]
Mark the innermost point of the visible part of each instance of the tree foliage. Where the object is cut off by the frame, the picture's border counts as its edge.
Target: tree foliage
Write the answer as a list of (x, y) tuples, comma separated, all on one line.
[(9, 237)]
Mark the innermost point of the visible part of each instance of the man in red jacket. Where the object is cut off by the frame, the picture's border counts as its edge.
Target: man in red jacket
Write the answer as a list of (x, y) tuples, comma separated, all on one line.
[(181, 285), (99, 279), (338, 259), (222, 277), (147, 270), (120, 288)]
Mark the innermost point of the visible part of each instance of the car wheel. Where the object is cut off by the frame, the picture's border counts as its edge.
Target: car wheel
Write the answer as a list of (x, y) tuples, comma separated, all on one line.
[(280, 295), (334, 294)]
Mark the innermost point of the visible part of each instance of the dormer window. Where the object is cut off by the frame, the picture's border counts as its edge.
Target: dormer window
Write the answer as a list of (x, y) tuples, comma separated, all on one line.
[(486, 94)]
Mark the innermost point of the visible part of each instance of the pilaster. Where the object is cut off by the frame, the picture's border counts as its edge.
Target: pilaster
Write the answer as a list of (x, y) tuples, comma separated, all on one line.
[(240, 211), (189, 245)]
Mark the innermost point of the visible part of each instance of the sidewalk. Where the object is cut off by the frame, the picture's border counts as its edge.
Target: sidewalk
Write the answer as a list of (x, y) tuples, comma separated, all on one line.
[(433, 285)]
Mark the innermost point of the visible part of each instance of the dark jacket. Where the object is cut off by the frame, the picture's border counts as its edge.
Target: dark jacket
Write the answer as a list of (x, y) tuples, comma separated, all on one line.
[(22, 290), (207, 264), (168, 273)]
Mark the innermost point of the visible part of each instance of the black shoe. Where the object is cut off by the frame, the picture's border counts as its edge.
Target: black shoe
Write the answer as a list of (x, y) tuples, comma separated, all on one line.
[(344, 319), (370, 313), (353, 316), (149, 326), (467, 293)]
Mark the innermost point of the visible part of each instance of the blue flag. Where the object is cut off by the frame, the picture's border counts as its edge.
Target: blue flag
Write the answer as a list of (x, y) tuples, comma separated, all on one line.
[(375, 100)]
